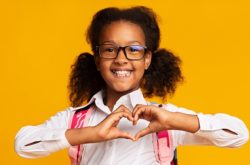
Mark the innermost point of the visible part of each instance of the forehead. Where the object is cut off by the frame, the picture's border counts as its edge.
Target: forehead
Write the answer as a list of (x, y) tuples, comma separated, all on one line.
[(122, 33)]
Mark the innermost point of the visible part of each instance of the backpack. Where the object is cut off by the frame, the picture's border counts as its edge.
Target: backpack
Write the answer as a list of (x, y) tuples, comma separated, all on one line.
[(162, 140)]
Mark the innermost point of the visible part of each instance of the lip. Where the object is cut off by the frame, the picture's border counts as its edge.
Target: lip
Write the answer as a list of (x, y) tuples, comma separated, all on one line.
[(121, 72), (121, 69)]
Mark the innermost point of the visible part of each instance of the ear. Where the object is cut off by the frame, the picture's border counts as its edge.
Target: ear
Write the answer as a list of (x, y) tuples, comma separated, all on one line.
[(148, 58)]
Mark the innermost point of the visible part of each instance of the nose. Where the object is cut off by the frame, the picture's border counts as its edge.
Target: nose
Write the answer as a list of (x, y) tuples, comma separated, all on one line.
[(121, 57)]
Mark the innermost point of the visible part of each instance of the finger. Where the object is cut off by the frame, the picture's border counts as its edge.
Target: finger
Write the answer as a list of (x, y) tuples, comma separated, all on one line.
[(111, 120), (146, 112), (124, 109), (138, 113), (126, 135), (126, 114), (136, 107), (136, 117), (121, 108), (115, 118), (142, 133)]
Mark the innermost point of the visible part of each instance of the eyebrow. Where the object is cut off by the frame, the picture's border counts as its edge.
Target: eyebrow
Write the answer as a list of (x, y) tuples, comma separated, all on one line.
[(113, 42)]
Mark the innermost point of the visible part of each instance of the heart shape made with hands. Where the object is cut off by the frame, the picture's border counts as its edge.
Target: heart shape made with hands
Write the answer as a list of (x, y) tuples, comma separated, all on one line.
[(131, 127), (152, 114)]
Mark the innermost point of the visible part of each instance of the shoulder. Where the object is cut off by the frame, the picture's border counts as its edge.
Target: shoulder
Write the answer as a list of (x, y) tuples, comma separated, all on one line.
[(81, 108), (64, 114)]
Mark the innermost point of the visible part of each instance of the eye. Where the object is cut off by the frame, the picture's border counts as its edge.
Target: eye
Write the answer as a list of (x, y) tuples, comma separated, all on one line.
[(109, 49), (135, 49)]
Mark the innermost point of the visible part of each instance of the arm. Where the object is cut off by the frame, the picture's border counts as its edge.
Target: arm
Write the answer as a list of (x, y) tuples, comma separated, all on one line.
[(54, 135), (190, 128), (41, 140), (218, 129), (105, 130)]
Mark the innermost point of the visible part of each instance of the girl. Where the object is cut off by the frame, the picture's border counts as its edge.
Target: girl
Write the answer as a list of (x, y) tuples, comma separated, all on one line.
[(117, 125)]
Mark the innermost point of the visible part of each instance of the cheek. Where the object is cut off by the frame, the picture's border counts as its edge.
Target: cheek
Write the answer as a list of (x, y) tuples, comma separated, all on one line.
[(140, 69), (104, 69), (103, 65), (141, 74)]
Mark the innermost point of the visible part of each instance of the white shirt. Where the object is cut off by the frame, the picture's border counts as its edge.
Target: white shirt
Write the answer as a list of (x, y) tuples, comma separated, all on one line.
[(50, 136)]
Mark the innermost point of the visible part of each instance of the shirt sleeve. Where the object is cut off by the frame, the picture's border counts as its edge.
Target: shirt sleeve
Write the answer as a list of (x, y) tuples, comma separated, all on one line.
[(212, 130), (41, 140)]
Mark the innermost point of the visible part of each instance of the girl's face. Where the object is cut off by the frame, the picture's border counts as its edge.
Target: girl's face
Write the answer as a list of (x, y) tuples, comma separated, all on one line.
[(120, 74)]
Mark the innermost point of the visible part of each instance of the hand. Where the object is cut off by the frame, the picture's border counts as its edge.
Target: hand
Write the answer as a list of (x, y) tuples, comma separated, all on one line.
[(155, 115), (107, 129)]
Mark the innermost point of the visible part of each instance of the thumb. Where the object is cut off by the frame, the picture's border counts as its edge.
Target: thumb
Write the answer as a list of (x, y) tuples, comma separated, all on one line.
[(142, 133), (126, 135)]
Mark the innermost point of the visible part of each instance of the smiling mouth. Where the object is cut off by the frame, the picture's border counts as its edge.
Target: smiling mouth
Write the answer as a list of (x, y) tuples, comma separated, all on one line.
[(122, 73)]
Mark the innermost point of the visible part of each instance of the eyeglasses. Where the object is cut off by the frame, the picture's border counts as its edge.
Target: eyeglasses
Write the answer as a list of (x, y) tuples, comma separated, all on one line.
[(111, 51)]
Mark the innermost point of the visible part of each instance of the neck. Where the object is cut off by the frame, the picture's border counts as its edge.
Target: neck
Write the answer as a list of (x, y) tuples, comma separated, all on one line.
[(111, 97)]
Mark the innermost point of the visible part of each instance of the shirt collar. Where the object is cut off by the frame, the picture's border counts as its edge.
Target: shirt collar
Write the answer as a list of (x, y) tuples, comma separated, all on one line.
[(136, 97), (129, 100)]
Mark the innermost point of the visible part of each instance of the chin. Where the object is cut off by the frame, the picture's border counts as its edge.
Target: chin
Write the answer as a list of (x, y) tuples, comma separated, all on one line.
[(124, 89)]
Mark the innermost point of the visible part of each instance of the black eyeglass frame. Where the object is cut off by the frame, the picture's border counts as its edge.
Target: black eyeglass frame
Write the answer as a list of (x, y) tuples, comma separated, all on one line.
[(123, 49)]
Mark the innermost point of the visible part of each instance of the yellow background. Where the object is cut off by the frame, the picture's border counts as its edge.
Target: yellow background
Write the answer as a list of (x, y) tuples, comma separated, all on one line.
[(40, 39)]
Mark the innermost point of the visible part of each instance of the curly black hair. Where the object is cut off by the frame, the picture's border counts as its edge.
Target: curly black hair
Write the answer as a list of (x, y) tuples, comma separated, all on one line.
[(160, 79)]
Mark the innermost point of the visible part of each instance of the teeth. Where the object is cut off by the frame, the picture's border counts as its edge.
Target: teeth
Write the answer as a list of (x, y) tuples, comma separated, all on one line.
[(122, 73)]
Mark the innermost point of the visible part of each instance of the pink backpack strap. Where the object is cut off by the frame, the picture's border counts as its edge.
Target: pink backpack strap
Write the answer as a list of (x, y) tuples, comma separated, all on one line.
[(163, 146), (78, 119)]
